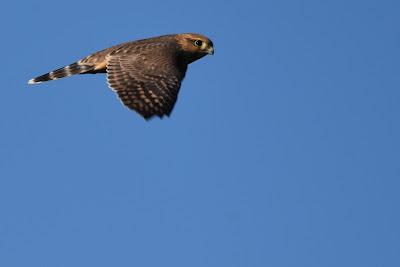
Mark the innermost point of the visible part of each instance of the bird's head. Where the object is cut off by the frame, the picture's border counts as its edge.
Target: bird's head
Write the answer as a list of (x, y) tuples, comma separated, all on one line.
[(195, 45)]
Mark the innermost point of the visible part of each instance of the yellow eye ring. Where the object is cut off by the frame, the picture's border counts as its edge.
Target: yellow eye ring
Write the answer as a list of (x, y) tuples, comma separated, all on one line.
[(198, 43)]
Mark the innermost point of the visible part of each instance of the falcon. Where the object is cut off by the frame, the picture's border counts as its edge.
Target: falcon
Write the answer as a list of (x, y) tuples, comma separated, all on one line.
[(146, 74)]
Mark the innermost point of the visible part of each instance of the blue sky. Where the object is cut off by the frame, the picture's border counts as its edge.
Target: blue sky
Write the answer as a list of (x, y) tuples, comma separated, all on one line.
[(282, 150)]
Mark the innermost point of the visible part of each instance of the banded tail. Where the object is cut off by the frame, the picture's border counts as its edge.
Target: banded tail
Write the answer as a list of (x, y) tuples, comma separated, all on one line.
[(75, 68)]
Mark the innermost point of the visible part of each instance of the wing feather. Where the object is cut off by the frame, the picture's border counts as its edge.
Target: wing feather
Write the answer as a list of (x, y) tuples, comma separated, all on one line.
[(147, 83)]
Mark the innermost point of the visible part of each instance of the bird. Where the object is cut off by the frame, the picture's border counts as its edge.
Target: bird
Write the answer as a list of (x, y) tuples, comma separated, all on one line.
[(146, 74)]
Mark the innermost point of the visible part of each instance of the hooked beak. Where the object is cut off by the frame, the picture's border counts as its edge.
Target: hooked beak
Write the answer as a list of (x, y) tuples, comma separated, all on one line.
[(210, 50)]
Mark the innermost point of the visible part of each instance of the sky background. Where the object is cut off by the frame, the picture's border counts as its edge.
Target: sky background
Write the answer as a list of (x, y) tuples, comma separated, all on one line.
[(282, 150)]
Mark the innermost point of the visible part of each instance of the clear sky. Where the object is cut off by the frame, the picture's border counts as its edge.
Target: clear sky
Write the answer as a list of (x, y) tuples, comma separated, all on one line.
[(282, 150)]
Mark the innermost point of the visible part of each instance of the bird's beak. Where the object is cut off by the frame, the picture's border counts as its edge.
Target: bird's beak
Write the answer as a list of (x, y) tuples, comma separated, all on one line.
[(210, 50)]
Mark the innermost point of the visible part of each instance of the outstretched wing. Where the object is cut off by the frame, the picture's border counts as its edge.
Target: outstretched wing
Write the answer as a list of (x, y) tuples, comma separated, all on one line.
[(146, 82)]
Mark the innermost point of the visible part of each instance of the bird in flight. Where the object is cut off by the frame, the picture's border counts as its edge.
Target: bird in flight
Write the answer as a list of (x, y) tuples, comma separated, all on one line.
[(146, 74)]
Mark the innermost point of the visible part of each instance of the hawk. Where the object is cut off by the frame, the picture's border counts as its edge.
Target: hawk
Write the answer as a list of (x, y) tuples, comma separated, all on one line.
[(146, 74)]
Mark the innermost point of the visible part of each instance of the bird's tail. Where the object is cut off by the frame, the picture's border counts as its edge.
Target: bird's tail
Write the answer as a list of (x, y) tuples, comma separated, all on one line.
[(75, 68)]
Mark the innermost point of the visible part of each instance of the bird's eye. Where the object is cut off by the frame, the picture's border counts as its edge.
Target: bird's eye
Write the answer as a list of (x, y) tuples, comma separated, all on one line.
[(198, 43)]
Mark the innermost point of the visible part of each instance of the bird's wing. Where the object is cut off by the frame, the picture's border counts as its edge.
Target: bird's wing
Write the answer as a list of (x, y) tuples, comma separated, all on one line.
[(147, 83)]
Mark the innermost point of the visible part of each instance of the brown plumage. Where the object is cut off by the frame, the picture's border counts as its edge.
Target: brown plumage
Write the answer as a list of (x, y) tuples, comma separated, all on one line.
[(145, 74)]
